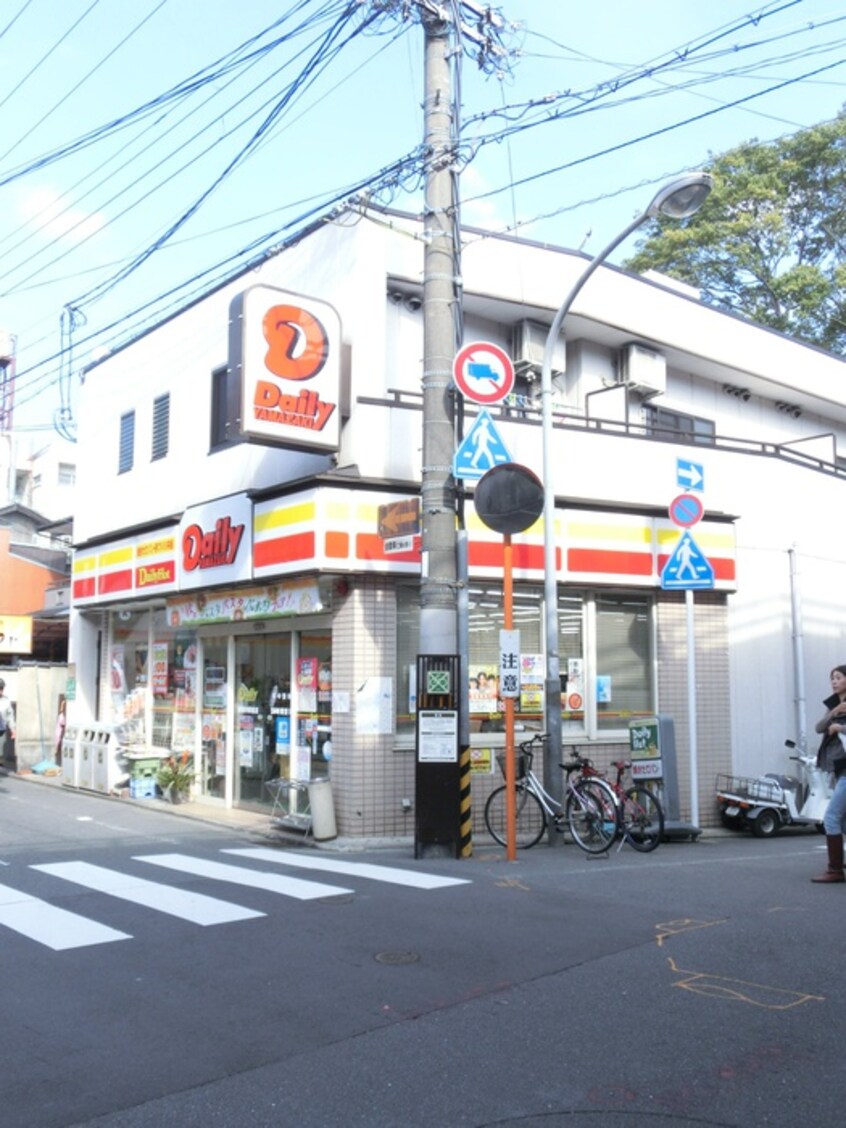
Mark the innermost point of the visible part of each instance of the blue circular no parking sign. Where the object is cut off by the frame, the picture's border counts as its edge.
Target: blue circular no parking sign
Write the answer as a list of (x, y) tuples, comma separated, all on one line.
[(686, 510)]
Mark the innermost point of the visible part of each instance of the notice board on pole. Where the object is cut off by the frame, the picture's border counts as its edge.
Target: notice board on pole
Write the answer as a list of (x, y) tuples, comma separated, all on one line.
[(437, 807)]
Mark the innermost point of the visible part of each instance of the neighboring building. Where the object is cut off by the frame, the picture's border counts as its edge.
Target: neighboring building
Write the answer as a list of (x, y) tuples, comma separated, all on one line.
[(33, 568), (42, 479), (36, 489), (34, 605), (52, 478), (242, 602)]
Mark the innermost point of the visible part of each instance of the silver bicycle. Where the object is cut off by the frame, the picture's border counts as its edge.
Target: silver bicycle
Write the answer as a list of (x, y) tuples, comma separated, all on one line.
[(591, 811)]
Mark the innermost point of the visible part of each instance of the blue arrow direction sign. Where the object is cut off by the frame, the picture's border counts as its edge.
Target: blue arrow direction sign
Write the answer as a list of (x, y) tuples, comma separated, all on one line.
[(481, 449), (691, 475), (688, 568)]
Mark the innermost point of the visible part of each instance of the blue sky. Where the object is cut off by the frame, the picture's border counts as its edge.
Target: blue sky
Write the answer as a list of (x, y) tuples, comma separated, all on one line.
[(595, 105)]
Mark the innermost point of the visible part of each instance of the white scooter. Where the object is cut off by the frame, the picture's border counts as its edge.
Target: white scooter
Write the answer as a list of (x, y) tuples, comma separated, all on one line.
[(768, 803)]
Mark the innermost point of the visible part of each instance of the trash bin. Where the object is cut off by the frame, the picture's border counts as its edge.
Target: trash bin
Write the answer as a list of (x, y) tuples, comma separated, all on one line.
[(322, 810)]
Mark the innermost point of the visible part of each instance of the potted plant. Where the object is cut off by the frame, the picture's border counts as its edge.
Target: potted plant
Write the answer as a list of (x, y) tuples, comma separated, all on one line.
[(175, 776)]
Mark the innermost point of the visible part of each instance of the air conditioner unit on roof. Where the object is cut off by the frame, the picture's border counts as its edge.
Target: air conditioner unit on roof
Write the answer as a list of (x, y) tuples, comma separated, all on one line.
[(642, 370), (528, 341)]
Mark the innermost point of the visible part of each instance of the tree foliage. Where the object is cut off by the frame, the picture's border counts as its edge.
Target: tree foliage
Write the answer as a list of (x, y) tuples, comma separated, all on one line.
[(770, 241)]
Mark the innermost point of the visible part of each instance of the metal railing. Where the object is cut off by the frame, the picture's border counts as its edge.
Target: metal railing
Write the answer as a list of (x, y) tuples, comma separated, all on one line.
[(529, 414)]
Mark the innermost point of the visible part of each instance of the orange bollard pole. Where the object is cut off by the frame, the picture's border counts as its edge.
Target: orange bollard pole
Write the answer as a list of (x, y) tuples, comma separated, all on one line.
[(510, 765)]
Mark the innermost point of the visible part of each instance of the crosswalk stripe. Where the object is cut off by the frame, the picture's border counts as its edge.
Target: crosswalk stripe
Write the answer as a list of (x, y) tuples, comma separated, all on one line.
[(254, 879), (54, 928), (391, 874), (194, 907)]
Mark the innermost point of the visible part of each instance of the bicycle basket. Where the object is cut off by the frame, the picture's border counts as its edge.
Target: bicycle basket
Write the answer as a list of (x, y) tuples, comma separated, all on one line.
[(519, 764)]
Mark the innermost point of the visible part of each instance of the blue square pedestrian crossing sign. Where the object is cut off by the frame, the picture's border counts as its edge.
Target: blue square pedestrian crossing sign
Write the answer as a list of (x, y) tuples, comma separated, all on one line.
[(688, 568), (481, 449)]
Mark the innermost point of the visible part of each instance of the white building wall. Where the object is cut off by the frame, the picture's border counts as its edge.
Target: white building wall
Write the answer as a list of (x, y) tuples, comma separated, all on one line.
[(361, 269)]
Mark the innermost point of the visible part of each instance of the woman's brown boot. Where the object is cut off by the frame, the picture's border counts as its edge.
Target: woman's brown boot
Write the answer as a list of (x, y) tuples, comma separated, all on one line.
[(834, 871)]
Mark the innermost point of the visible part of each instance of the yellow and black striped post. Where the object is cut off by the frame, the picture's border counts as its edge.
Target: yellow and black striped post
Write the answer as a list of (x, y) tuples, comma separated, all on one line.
[(464, 805)]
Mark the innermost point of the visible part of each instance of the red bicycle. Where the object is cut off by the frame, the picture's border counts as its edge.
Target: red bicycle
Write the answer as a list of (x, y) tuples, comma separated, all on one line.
[(641, 814)]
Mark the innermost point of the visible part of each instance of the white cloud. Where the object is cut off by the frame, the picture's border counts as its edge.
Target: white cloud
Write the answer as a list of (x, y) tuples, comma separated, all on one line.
[(43, 209)]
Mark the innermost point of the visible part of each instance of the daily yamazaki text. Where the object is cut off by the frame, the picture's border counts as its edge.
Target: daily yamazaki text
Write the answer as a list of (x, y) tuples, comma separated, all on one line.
[(211, 550)]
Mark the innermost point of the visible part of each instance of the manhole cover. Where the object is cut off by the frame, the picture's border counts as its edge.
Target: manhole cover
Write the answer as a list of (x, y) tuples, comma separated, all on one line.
[(397, 957)]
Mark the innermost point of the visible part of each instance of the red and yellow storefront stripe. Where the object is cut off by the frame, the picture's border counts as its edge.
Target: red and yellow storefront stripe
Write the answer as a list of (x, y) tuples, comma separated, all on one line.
[(124, 568), (337, 529), (326, 528)]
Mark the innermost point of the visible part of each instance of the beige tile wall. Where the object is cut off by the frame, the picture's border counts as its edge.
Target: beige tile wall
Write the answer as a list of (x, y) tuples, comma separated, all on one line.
[(713, 731), (370, 778)]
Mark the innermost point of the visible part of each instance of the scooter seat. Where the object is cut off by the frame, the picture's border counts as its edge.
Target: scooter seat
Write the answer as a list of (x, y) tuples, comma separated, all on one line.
[(786, 783)]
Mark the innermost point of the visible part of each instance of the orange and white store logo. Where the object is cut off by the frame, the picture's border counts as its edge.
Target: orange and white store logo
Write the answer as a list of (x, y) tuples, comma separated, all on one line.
[(289, 349), (297, 342)]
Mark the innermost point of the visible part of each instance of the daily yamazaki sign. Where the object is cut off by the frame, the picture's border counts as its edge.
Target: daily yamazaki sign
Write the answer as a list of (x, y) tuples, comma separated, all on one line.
[(215, 543), (287, 351), (144, 564)]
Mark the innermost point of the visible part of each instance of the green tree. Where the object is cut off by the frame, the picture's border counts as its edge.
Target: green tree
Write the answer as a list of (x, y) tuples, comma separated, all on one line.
[(770, 241)]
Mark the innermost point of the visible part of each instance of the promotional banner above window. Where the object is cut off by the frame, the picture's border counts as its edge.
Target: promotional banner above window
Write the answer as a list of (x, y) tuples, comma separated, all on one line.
[(285, 350), (293, 597)]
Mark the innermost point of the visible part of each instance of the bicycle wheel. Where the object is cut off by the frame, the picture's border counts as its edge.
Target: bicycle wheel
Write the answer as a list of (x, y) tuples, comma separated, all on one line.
[(593, 816), (643, 819), (530, 821)]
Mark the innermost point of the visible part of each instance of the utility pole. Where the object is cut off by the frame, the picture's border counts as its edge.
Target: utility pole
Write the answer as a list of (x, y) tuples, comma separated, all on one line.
[(443, 815), (439, 574)]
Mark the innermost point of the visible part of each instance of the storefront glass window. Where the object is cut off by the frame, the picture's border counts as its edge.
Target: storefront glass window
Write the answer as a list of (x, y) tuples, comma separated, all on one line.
[(606, 659), (624, 682), (129, 673), (572, 666), (314, 704), (214, 745), (485, 621), (173, 683)]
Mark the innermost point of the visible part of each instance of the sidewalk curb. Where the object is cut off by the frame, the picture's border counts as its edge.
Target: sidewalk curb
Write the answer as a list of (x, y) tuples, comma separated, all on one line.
[(260, 825)]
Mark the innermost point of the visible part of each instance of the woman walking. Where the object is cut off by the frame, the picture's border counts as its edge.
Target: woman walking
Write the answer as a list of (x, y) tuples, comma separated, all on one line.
[(832, 757)]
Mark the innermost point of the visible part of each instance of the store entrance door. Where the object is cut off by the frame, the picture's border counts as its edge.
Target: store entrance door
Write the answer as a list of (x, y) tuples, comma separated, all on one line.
[(262, 715), (213, 761)]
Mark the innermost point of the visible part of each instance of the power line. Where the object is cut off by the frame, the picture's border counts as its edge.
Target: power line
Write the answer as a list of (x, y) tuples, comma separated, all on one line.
[(48, 53), (31, 129), (661, 131)]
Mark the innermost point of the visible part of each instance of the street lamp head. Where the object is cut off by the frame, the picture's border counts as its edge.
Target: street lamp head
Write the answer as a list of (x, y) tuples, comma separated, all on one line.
[(681, 197)]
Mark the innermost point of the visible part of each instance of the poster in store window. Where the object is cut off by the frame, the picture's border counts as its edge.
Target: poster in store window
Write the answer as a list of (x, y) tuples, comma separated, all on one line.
[(484, 689), (307, 684), (182, 733), (532, 673), (575, 695), (160, 669), (282, 735), (214, 692), (245, 741)]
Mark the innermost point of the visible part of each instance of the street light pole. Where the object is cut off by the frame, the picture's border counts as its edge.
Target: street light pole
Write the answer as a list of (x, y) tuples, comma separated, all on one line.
[(677, 200)]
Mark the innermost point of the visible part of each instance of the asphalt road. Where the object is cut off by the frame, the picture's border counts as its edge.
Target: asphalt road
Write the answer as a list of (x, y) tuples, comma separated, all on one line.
[(696, 985)]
